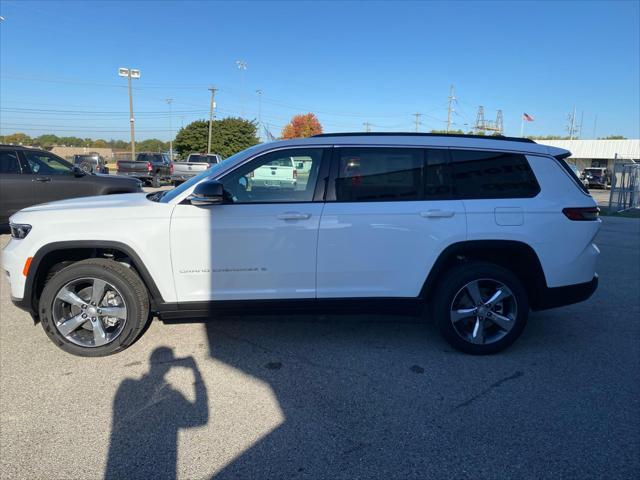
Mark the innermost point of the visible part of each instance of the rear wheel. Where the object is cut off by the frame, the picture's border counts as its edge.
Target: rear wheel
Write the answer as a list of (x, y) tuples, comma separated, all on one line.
[(94, 307), (480, 308), (86, 167)]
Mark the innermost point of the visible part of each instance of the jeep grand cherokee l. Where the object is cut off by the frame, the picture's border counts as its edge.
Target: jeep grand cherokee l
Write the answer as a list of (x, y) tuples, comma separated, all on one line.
[(478, 230)]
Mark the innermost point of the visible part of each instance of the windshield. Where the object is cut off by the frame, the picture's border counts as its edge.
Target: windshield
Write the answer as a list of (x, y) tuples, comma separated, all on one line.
[(211, 172)]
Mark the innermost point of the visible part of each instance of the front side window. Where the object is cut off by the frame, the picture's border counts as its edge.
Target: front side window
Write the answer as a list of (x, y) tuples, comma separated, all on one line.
[(379, 174), (47, 164), (480, 174), (274, 178), (9, 162)]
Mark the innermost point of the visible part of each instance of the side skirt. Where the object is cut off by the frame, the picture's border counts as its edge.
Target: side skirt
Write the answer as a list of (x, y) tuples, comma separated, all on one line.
[(190, 311)]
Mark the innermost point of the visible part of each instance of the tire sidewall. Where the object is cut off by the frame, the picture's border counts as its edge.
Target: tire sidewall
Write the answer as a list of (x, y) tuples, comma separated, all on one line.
[(134, 310), (458, 278)]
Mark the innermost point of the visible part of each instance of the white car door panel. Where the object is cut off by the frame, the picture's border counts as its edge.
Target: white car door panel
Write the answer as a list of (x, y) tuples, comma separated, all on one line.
[(381, 237), (241, 252)]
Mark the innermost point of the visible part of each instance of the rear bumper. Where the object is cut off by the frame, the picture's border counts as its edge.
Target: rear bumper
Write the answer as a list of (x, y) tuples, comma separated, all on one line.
[(561, 296), (138, 175)]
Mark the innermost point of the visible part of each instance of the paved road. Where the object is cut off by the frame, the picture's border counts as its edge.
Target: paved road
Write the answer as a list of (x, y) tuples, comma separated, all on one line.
[(336, 397)]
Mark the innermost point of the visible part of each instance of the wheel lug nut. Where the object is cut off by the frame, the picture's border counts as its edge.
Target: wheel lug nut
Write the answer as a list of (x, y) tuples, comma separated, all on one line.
[(93, 319), (84, 315)]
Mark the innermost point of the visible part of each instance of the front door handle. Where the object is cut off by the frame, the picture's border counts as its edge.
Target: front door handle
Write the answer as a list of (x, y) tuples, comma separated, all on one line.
[(437, 214), (42, 179), (294, 216)]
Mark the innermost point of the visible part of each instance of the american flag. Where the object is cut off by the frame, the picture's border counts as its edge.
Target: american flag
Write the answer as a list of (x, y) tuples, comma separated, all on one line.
[(527, 117)]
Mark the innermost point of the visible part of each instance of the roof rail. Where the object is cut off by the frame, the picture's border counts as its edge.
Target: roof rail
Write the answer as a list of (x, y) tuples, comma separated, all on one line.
[(413, 134)]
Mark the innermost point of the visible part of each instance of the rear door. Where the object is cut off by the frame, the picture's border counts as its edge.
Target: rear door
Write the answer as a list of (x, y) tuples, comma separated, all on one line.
[(389, 214), (53, 178), (16, 187)]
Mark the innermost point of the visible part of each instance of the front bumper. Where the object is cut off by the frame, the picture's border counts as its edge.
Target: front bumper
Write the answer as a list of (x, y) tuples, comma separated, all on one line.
[(567, 295)]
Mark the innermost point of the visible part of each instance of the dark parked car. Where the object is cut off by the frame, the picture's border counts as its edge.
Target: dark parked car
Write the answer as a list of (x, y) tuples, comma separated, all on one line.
[(151, 168), (91, 163), (597, 177), (29, 176)]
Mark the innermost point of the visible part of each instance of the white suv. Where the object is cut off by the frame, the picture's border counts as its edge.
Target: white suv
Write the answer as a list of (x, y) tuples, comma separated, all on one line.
[(478, 229)]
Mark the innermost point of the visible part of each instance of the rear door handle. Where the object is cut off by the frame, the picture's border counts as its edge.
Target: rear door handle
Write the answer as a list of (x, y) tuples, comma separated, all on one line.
[(437, 214), (294, 216), (42, 179)]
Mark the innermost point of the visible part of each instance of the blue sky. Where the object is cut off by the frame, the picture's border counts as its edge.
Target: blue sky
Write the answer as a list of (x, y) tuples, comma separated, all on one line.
[(349, 62)]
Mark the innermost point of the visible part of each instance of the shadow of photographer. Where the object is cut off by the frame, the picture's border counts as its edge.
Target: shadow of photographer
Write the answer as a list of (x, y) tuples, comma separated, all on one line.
[(147, 415)]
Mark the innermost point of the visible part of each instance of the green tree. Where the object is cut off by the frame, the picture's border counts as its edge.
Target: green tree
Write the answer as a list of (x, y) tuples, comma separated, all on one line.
[(230, 136), (47, 140), (99, 143), (17, 138), (614, 137), (152, 145)]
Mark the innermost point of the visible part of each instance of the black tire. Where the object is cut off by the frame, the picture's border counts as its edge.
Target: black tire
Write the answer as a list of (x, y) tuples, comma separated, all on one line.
[(454, 281), (155, 181), (86, 167), (128, 283)]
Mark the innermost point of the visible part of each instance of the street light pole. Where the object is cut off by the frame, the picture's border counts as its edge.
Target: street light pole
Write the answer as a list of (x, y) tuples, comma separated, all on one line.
[(211, 109), (169, 100), (131, 73)]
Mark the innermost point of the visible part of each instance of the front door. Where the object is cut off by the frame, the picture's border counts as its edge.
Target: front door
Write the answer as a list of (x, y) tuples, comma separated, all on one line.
[(16, 187), (261, 243), (54, 179), (389, 214)]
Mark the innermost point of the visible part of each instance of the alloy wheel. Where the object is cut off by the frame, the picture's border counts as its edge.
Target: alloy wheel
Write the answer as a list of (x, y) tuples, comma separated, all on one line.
[(89, 312), (483, 311)]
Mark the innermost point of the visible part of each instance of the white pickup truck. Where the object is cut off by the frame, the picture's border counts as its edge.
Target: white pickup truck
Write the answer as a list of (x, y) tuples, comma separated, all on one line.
[(279, 173), (192, 166)]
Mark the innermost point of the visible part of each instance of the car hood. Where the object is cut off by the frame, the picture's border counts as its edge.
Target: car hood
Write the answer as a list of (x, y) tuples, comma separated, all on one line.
[(118, 200)]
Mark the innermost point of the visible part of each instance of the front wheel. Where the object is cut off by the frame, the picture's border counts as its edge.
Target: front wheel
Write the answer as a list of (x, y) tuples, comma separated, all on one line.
[(480, 308), (94, 307)]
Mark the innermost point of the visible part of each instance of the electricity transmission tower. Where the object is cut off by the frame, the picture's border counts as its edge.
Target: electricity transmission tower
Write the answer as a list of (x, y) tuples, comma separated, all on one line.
[(450, 110), (572, 125), (483, 125), (417, 121)]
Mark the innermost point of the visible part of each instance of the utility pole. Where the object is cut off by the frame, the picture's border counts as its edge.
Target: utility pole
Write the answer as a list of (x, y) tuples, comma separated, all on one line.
[(417, 115), (595, 124), (367, 126), (130, 73), (242, 66), (450, 110), (211, 110), (259, 93), (169, 101), (580, 126)]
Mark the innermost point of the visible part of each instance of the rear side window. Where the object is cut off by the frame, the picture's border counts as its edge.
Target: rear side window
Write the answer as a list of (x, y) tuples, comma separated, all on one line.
[(379, 174), (481, 174), (9, 162)]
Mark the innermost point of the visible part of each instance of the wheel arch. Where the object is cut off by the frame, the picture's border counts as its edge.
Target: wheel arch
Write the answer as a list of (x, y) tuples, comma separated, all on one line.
[(54, 256), (518, 257)]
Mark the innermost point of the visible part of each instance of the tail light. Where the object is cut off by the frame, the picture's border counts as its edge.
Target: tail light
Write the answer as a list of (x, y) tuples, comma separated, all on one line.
[(149, 166), (581, 214), (295, 174), (171, 168), (118, 166)]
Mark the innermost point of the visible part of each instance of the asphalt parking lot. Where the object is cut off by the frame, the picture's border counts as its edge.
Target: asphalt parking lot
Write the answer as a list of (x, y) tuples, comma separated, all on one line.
[(335, 396)]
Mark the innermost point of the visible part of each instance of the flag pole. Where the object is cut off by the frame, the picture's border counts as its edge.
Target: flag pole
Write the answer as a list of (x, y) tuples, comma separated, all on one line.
[(522, 126)]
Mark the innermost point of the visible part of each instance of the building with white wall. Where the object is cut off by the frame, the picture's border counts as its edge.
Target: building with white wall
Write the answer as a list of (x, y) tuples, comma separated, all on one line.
[(598, 153)]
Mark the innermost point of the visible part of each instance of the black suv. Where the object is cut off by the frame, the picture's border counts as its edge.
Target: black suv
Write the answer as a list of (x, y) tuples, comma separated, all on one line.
[(29, 176), (91, 163)]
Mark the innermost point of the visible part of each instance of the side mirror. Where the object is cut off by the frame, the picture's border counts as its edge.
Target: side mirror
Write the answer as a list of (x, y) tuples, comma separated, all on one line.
[(210, 192), (78, 172)]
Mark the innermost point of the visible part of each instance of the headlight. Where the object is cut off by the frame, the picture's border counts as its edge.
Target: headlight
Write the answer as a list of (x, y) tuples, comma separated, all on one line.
[(20, 230)]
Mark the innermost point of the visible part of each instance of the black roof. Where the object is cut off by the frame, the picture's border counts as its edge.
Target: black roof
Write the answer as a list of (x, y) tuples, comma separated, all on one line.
[(413, 134)]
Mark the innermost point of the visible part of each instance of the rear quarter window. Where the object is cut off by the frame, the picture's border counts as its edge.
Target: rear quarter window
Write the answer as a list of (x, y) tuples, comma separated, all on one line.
[(481, 174)]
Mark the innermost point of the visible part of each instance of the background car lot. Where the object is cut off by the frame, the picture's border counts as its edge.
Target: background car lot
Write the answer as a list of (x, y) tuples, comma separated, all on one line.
[(336, 396)]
